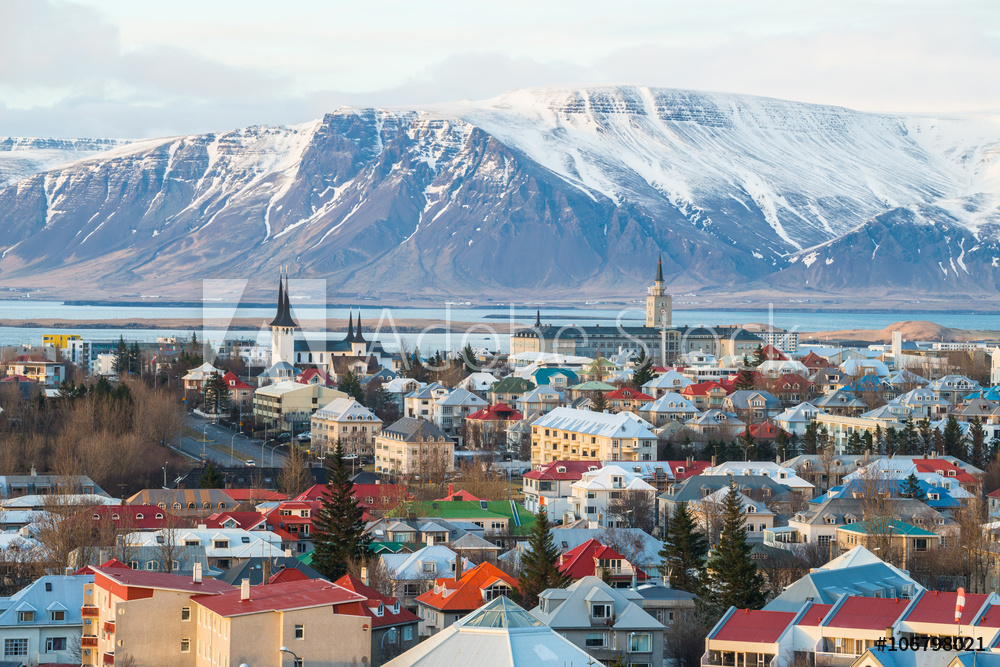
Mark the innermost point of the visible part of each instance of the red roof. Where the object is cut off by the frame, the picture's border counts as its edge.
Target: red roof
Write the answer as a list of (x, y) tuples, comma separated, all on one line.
[(234, 382), (246, 495), (387, 617), (794, 381), (16, 378), (939, 607), (279, 597), (582, 561), (700, 388), (244, 520), (934, 465), (306, 376), (571, 470), (991, 618), (627, 394), (813, 361), (994, 494), (757, 626), (773, 354), (287, 574), (860, 613), (465, 594), (815, 614), (116, 572), (684, 469), (461, 494), (496, 412), (31, 358), (764, 431)]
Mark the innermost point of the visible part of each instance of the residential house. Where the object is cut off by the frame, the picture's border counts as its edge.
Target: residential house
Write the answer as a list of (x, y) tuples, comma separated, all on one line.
[(420, 403), (479, 383), (195, 379), (556, 378), (627, 399), (509, 389), (223, 547), (453, 597), (953, 388), (34, 484), (541, 399), (588, 390), (669, 382), (593, 496), (451, 410), (394, 628), (414, 573), (782, 474), (705, 395), (414, 447), (714, 424), (37, 369), (922, 402), (42, 623), (752, 405), (488, 428), (240, 393), (568, 434), (667, 408), (708, 513), (347, 422), (902, 537), (185, 503), (795, 420), (593, 559), (691, 489), (551, 483), (603, 621)]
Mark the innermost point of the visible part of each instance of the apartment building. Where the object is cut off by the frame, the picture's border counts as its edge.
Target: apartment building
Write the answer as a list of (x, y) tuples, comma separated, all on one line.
[(346, 421), (291, 404), (552, 483), (413, 446), (575, 435)]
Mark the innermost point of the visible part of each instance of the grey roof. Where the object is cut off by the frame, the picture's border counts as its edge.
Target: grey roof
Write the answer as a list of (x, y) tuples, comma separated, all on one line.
[(573, 612), (695, 488), (741, 399), (904, 508), (253, 569), (658, 591), (471, 541), (839, 399), (826, 586), (412, 429)]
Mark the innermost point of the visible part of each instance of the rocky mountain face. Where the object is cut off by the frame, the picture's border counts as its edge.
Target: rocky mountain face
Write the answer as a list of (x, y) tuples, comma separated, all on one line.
[(560, 192), (21, 157)]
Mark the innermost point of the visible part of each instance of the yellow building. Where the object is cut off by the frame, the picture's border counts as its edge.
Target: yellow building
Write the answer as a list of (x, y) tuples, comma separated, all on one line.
[(289, 403), (566, 434), (347, 421), (167, 620), (414, 447), (60, 341)]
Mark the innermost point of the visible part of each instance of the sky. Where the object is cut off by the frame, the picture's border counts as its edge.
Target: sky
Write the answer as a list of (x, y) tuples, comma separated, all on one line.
[(137, 68)]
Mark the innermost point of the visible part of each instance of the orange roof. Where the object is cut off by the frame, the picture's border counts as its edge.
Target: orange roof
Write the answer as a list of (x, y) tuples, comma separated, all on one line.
[(466, 593), (701, 388)]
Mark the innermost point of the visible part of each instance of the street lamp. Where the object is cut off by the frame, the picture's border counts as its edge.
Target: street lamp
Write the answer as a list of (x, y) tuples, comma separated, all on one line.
[(272, 454), (285, 649), (204, 442), (232, 443)]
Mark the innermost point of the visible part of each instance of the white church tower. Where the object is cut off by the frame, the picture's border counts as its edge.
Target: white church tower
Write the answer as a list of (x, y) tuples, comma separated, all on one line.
[(659, 304), (283, 328)]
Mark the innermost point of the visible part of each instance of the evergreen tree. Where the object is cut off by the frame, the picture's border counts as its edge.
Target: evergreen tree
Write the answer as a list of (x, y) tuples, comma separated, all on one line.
[(210, 477), (758, 356), (135, 359), (926, 436), (793, 449), (782, 443), (747, 445), (867, 442), (338, 527), (938, 442), (908, 441), (911, 489), (854, 444), (745, 377), (102, 388), (879, 441), (643, 372), (954, 440), (733, 579), (811, 438), (890, 441), (216, 393), (121, 357), (977, 443), (540, 563), (684, 550), (350, 384), (994, 448), (468, 358), (600, 402)]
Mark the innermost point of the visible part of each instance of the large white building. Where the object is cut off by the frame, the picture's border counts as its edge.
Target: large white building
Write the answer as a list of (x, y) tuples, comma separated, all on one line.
[(591, 497)]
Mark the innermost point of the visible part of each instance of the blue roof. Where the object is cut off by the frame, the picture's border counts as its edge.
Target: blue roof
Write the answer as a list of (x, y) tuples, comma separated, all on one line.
[(991, 394), (545, 375), (893, 486), (870, 382)]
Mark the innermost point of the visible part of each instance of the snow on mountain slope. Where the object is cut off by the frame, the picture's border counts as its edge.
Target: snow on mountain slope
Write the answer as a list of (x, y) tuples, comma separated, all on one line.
[(573, 191), (23, 156)]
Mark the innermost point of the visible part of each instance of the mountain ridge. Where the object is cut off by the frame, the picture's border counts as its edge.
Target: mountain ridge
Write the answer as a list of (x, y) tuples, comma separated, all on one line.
[(561, 190)]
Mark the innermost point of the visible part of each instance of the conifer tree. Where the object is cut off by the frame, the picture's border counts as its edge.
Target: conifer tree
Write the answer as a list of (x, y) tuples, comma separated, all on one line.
[(216, 393), (911, 489), (745, 376), (977, 443), (600, 402), (926, 436), (811, 438), (339, 527), (854, 444), (782, 444), (684, 551), (350, 384), (540, 563), (210, 477), (954, 439), (643, 372), (733, 579), (758, 356), (907, 440)]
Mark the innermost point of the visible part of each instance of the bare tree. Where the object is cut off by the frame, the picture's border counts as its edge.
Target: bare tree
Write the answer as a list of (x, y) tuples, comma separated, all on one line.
[(633, 508), (294, 477), (169, 550)]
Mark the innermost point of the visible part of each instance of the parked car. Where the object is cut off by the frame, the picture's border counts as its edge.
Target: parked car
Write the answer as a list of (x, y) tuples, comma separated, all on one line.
[(304, 437), (251, 463), (284, 437)]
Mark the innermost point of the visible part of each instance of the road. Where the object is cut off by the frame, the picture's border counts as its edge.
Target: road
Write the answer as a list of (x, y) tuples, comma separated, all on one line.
[(236, 449)]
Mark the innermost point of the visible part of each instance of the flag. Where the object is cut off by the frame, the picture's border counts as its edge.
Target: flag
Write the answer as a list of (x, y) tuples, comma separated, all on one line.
[(959, 604)]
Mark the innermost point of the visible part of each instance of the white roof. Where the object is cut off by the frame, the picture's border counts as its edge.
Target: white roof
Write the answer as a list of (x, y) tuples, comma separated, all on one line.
[(478, 381), (56, 500), (574, 612), (240, 543), (782, 366), (719, 497), (408, 566), (801, 413), (601, 480), (550, 358), (780, 474), (865, 367), (621, 425), (670, 403), (345, 409), (669, 380), (402, 385), (460, 396), (289, 386), (202, 373)]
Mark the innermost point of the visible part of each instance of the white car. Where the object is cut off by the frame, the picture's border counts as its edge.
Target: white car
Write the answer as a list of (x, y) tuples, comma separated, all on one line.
[(304, 437), (251, 463)]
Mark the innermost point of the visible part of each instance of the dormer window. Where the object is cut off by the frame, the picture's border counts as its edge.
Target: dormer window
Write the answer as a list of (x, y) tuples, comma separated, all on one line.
[(139, 517), (561, 469), (601, 610), (951, 473)]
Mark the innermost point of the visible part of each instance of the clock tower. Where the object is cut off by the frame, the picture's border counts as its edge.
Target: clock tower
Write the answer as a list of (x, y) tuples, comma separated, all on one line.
[(658, 302)]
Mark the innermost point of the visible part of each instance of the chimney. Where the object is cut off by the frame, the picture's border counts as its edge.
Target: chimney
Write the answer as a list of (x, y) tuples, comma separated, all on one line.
[(565, 519), (364, 576), (196, 573), (451, 489), (265, 571), (713, 460), (245, 590), (69, 572), (688, 462), (202, 526), (288, 553), (458, 566)]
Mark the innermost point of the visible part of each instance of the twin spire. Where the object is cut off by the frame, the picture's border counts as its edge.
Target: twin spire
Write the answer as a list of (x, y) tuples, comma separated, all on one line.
[(283, 318), (354, 336)]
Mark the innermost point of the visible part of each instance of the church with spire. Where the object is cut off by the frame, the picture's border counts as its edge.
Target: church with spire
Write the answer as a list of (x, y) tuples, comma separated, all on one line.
[(292, 352)]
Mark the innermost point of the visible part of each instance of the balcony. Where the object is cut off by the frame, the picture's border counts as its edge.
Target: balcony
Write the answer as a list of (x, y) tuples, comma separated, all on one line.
[(109, 627), (90, 611), (88, 641), (109, 658)]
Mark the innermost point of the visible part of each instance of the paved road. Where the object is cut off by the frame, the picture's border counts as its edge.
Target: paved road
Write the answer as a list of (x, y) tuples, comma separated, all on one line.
[(236, 449)]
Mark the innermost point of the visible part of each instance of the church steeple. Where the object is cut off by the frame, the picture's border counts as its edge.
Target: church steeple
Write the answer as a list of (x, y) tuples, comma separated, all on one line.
[(350, 329), (658, 302), (659, 270), (283, 317), (358, 336), (538, 319)]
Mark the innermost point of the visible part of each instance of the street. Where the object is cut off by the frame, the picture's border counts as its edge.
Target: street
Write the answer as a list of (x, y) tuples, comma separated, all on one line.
[(234, 450)]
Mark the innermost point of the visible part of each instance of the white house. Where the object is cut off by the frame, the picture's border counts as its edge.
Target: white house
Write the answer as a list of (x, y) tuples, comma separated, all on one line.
[(796, 419), (43, 622), (591, 497)]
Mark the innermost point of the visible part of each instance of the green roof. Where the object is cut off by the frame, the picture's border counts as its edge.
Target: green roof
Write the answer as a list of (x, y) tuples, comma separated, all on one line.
[(593, 385), (882, 525), (307, 557), (385, 547), (512, 385), (471, 509)]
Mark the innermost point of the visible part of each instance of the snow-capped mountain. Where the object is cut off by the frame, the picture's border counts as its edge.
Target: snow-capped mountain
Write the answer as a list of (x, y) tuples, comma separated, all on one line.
[(23, 156), (571, 191)]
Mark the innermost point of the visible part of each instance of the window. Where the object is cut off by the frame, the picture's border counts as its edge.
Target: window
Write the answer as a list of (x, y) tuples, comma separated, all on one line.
[(640, 643), (25, 616), (134, 564), (407, 633), (53, 644), (594, 640), (48, 586), (185, 613), (139, 517), (185, 646), (58, 616), (152, 565), (15, 647), (601, 611), (300, 632)]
